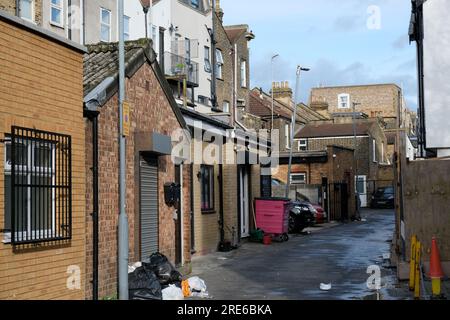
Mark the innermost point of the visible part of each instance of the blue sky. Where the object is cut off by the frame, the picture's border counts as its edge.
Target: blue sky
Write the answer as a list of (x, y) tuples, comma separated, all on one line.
[(331, 37)]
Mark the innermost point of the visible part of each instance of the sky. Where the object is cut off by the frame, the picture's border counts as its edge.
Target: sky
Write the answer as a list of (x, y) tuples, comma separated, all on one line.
[(343, 42)]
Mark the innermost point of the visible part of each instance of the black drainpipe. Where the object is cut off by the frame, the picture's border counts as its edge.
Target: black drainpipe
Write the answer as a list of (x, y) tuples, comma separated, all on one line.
[(18, 8), (69, 17), (93, 116)]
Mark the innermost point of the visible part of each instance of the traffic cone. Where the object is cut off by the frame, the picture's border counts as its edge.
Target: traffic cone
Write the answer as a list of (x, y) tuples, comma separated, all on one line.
[(436, 273)]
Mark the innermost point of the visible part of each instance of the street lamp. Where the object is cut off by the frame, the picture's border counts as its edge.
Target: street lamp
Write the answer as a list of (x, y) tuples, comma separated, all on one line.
[(355, 162), (293, 121), (146, 4), (271, 68)]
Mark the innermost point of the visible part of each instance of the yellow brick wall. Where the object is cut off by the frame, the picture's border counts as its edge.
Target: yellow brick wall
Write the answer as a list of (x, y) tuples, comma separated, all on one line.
[(41, 87)]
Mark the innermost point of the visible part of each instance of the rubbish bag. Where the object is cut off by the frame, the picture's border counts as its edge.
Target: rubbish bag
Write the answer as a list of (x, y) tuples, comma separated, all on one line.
[(164, 270), (185, 288), (197, 284), (172, 292), (143, 285)]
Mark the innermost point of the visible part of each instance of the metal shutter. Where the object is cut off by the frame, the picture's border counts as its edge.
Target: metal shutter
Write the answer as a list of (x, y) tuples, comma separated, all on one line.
[(149, 208)]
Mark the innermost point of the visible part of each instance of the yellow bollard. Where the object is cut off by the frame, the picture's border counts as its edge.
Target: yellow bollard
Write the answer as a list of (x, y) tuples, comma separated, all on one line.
[(412, 263), (436, 287), (417, 271)]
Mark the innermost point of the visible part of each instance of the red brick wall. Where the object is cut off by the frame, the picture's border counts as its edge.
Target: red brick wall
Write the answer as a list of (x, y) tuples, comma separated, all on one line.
[(150, 112)]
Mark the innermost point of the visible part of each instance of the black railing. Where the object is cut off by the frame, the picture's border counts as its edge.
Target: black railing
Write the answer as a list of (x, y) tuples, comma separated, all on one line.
[(176, 65), (41, 184)]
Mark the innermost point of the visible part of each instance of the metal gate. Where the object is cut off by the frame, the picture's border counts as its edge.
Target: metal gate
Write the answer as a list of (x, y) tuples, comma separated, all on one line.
[(149, 217)]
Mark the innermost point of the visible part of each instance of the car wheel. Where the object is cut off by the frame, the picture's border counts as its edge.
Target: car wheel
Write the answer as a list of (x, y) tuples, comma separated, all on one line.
[(292, 225)]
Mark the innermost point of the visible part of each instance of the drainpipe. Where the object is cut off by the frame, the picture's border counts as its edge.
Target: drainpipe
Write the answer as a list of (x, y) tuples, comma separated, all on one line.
[(69, 18), (213, 58), (93, 117), (18, 8)]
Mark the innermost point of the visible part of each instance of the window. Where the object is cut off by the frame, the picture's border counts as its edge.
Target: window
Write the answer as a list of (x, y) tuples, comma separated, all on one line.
[(226, 106), (219, 63), (298, 178), (287, 134), (344, 101), (374, 150), (243, 74), (37, 186), (154, 36), (195, 4), (105, 25), (56, 12), (207, 187), (26, 9), (207, 60), (302, 145), (126, 28)]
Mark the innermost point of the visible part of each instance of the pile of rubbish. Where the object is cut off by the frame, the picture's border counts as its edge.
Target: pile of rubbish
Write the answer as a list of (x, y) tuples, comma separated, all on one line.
[(157, 279)]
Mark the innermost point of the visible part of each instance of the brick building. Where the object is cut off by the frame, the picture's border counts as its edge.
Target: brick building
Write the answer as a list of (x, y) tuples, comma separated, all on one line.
[(41, 89), (383, 101), (371, 147), (154, 117)]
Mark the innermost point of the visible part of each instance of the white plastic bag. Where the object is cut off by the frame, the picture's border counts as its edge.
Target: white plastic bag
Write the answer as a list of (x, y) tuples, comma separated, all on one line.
[(197, 284), (172, 292)]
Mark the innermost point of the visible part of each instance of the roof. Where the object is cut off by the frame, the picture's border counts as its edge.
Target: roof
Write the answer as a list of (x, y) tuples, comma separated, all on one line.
[(260, 104), (358, 86), (313, 130), (206, 118), (102, 62), (31, 27), (236, 31)]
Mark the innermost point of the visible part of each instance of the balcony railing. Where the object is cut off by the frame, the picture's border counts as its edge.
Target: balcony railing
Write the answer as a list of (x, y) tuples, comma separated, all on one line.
[(178, 66)]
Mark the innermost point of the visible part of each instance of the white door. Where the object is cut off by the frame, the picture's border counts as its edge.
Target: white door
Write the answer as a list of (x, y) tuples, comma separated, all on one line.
[(361, 188), (244, 201)]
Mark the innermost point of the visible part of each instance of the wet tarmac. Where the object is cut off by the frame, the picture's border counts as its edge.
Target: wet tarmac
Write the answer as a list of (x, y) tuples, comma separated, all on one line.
[(339, 255)]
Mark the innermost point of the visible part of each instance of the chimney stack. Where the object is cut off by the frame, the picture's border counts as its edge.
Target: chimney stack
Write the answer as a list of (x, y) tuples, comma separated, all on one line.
[(219, 11), (282, 92)]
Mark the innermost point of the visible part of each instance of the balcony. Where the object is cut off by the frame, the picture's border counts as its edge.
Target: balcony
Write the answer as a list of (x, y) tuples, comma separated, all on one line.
[(178, 68)]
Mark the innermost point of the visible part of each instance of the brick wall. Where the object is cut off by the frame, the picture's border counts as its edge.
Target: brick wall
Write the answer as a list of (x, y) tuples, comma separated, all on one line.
[(230, 200), (150, 112), (374, 100), (10, 7), (41, 86), (224, 86)]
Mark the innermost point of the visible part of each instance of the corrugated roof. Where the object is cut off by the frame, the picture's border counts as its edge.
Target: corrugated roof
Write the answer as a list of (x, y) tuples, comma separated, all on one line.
[(321, 130)]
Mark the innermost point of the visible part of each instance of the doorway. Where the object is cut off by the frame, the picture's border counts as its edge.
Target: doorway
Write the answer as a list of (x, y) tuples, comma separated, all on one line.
[(244, 204), (148, 209), (361, 189)]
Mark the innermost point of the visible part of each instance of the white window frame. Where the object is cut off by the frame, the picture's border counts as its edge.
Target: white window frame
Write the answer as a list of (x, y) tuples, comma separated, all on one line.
[(30, 165), (126, 22), (302, 143), (104, 24), (342, 95), (227, 104), (32, 10), (243, 73), (287, 135), (374, 150), (302, 174), (61, 9), (219, 64), (207, 59)]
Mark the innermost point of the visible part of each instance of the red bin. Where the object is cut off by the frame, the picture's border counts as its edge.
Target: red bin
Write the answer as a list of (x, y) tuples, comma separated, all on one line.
[(272, 215)]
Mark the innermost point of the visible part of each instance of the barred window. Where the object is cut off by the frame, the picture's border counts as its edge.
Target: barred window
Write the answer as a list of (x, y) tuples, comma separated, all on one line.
[(37, 186)]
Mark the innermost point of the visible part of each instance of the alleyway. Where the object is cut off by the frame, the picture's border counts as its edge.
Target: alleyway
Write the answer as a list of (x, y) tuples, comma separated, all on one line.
[(294, 270)]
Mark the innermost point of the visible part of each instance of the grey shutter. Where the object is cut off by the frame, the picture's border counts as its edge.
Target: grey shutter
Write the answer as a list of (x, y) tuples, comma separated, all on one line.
[(149, 208)]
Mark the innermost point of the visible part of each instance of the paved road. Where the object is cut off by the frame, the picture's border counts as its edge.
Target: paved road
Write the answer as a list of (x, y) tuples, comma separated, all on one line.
[(338, 255)]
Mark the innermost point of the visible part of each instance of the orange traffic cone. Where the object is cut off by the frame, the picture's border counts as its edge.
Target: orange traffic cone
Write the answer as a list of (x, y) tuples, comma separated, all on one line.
[(435, 269)]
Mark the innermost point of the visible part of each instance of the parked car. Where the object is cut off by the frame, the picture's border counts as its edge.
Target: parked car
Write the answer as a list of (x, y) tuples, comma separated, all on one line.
[(321, 215), (384, 197), (277, 182), (301, 215)]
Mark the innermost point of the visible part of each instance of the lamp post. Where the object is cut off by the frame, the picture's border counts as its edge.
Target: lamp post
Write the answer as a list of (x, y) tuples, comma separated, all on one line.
[(271, 83), (146, 4), (355, 162), (293, 121)]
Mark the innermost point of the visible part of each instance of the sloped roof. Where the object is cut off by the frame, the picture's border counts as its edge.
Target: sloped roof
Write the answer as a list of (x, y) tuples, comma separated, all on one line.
[(261, 105), (321, 130), (102, 61)]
